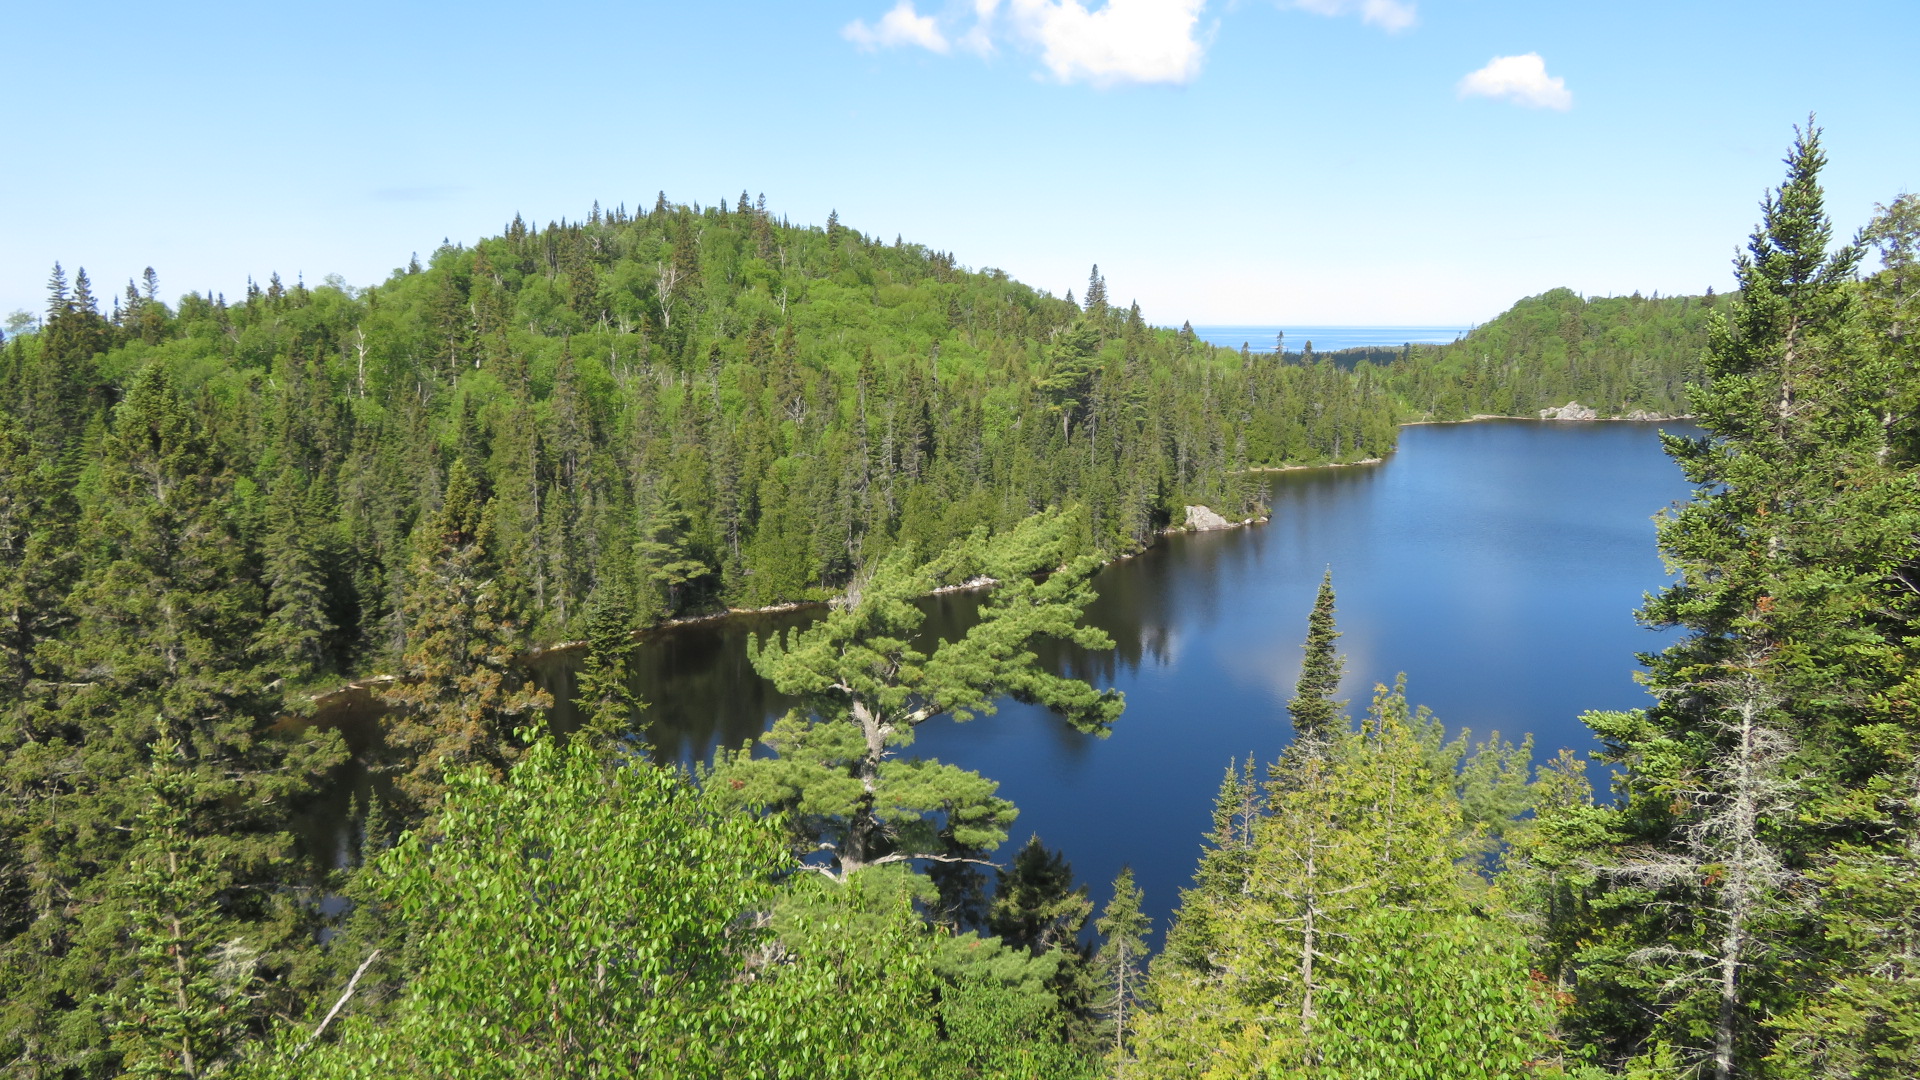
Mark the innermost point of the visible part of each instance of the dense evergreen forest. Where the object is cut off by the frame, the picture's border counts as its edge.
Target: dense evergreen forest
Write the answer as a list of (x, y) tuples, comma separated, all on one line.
[(725, 408), (1625, 356), (209, 510), (1619, 355)]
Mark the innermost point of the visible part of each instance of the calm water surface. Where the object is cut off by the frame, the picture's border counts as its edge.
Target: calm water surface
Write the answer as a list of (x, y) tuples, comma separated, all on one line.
[(1328, 338), (1497, 564)]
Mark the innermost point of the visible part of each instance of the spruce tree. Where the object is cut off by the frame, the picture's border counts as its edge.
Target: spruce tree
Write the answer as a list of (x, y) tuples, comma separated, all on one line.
[(1036, 906), (1096, 302), (1121, 962), (606, 701), (1864, 1019), (1220, 882), (167, 607), (1357, 944), (460, 696), (195, 994), (1316, 716), (299, 629), (1774, 710), (664, 561)]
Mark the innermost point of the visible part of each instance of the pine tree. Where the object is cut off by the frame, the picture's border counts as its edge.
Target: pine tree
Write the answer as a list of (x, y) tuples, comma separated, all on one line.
[(865, 689)]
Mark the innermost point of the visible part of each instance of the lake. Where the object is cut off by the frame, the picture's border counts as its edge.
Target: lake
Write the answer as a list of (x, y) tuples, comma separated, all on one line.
[(1497, 564), (1328, 338)]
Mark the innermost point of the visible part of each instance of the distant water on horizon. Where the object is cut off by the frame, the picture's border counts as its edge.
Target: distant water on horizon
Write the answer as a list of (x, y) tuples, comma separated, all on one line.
[(1328, 338)]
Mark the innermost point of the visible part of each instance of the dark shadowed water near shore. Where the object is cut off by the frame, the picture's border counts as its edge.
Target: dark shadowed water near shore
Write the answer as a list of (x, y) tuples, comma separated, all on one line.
[(1497, 564)]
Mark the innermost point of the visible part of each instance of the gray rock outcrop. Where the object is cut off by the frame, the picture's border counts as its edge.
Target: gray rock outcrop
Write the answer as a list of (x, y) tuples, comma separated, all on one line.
[(1572, 410), (1201, 519)]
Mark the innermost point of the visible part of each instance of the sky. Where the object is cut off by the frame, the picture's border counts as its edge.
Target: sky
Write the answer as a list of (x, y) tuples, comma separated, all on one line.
[(1333, 162)]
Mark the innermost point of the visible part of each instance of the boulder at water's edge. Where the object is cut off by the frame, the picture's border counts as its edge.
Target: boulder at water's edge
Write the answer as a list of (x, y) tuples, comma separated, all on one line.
[(1201, 519)]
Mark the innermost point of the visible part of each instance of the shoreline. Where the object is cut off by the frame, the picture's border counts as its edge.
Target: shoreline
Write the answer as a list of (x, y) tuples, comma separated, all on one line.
[(366, 683), (1324, 464), (1477, 417)]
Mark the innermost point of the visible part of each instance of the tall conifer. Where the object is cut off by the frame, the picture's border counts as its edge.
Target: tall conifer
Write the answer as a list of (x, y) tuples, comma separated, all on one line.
[(1772, 708), (1121, 962), (1315, 714), (168, 607), (460, 696), (606, 702)]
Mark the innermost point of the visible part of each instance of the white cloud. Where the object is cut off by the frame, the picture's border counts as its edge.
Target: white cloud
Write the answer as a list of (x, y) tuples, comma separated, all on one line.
[(1118, 41), (901, 26), (1522, 80), (979, 39), (1391, 15), (1123, 41)]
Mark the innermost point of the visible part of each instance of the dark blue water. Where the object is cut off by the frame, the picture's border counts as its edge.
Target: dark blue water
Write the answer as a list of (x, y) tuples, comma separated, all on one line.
[(1327, 338), (1497, 564)]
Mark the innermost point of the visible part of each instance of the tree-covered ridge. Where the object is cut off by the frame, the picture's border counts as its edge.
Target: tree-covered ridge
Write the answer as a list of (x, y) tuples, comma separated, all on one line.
[(725, 408), (1618, 354)]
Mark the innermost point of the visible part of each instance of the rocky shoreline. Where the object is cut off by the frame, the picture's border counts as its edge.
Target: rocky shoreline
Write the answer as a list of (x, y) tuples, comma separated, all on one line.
[(1572, 411)]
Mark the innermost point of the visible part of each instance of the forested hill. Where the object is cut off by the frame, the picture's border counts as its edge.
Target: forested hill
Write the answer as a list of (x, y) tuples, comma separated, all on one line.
[(1618, 354), (728, 408)]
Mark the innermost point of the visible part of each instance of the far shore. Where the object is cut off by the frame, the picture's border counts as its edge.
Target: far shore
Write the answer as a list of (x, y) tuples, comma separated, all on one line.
[(1552, 420)]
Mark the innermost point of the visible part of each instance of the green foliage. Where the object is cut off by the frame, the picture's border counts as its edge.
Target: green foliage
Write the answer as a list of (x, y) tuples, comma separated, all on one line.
[(575, 920), (865, 687), (1442, 995), (1121, 962), (998, 1011), (1315, 713), (607, 703), (1356, 943), (1619, 355), (578, 919), (456, 701)]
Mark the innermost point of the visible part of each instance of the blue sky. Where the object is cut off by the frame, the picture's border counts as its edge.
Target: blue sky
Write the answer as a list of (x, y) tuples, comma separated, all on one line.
[(1312, 161)]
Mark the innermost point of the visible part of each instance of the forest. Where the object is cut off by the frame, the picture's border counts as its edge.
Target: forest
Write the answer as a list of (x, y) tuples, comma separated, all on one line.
[(210, 511)]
